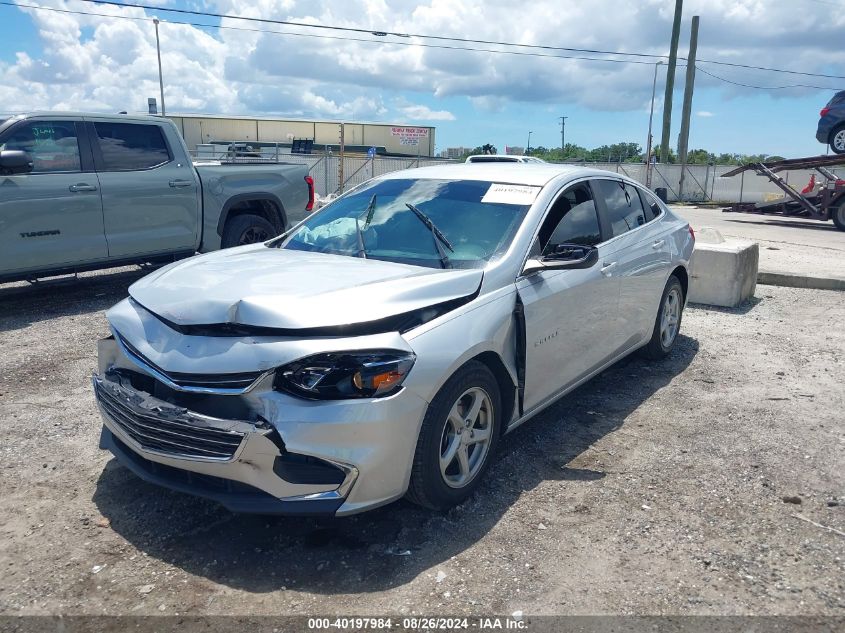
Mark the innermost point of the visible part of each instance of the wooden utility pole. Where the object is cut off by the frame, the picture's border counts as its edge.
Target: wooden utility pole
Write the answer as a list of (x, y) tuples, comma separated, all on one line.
[(670, 82), (689, 86)]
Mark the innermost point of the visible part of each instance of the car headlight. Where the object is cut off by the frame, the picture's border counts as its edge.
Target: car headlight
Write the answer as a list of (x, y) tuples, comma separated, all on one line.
[(343, 375)]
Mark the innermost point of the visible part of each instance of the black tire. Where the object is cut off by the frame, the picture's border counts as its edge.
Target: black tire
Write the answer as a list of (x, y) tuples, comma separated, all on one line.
[(658, 347), (837, 140), (246, 229), (837, 214), (428, 486)]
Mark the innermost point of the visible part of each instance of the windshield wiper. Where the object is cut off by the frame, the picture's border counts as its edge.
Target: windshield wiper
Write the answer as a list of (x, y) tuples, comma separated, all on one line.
[(436, 233), (371, 207), (362, 250)]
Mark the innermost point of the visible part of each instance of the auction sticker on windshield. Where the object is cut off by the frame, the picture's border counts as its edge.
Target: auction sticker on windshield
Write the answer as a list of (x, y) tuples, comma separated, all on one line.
[(511, 194)]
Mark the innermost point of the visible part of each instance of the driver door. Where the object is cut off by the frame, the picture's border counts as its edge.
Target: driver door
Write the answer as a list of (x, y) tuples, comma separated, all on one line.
[(51, 216), (567, 312)]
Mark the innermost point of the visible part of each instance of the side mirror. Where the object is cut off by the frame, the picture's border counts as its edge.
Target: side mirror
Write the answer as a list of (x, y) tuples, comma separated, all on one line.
[(13, 161), (563, 257)]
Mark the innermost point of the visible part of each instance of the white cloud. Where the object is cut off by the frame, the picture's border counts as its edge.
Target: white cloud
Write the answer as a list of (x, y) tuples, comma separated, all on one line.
[(704, 113), (424, 113), (91, 62)]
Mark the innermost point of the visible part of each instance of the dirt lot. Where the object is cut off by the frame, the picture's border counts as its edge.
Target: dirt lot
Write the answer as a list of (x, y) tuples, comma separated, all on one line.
[(653, 489)]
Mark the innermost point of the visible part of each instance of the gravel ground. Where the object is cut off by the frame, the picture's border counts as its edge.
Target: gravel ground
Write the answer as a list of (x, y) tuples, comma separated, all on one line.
[(668, 488)]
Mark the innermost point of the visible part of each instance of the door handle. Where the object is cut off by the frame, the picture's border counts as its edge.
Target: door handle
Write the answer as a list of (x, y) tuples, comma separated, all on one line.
[(180, 183), (82, 186), (607, 269), (658, 244)]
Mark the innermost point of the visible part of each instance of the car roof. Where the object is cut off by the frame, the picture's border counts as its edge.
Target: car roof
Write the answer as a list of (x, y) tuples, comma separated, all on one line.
[(497, 157), (53, 114), (535, 174)]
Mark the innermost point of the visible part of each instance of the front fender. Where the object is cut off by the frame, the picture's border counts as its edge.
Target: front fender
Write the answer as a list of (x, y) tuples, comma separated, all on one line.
[(442, 346)]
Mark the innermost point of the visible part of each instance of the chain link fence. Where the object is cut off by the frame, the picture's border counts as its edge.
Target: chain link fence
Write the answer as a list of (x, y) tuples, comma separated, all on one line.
[(702, 183)]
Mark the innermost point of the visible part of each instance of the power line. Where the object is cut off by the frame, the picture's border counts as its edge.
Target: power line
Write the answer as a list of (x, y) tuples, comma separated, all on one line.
[(447, 38), (773, 70), (737, 83), (419, 44), (328, 37), (376, 32)]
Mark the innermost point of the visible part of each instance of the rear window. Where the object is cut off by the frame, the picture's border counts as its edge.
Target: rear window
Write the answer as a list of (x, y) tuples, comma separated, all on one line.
[(651, 205), (492, 159), (131, 146), (624, 208)]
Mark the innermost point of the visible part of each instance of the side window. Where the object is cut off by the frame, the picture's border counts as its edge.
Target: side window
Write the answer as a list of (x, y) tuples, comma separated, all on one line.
[(652, 206), (624, 208), (572, 219), (128, 146), (52, 145)]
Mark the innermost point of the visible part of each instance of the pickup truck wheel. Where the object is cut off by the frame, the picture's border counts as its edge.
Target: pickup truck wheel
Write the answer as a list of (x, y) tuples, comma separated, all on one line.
[(246, 229)]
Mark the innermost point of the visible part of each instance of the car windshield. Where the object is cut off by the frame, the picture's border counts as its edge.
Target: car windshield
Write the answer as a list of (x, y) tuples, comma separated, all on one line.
[(425, 222)]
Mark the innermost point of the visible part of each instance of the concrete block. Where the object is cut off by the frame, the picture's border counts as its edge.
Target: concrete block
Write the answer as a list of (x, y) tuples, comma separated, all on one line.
[(723, 272)]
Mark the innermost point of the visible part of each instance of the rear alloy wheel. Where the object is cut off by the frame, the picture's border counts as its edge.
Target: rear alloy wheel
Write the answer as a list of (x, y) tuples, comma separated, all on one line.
[(668, 321), (247, 229), (457, 439), (837, 140)]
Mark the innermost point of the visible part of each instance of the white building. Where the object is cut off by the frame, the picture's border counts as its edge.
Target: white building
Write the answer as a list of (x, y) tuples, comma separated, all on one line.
[(389, 138)]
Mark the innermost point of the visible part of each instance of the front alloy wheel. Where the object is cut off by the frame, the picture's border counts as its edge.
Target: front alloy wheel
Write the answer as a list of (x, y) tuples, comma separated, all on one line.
[(457, 439), (465, 441)]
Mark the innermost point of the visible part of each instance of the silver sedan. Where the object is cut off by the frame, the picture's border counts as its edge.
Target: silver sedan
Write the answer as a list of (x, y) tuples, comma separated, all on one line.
[(383, 346)]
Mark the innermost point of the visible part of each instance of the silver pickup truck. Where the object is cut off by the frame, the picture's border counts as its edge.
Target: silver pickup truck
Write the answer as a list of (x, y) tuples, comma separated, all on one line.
[(84, 191)]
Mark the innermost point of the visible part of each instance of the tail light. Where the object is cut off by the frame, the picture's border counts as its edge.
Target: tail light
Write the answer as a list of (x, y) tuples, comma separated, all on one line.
[(310, 182), (824, 111), (691, 232)]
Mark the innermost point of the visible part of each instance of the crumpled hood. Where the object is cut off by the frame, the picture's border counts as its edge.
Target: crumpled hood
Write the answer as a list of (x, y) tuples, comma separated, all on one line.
[(275, 288)]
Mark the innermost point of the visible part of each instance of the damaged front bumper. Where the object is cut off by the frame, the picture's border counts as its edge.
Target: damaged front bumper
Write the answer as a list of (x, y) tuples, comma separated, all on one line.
[(242, 465), (258, 452)]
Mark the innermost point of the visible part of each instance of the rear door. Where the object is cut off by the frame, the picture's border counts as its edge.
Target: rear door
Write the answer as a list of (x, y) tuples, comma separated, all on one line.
[(640, 250), (567, 312), (150, 198), (52, 216)]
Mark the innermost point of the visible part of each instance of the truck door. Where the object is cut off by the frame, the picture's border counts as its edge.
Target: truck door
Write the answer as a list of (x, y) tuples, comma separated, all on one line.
[(149, 190), (52, 216)]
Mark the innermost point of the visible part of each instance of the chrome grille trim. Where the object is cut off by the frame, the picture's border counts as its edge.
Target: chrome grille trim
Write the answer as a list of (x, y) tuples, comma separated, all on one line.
[(168, 430), (219, 384)]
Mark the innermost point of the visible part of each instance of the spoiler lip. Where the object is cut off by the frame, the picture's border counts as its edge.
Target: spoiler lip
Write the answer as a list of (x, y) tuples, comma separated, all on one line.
[(402, 322)]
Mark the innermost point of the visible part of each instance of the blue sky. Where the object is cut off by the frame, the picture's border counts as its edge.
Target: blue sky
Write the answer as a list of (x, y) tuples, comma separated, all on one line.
[(85, 62)]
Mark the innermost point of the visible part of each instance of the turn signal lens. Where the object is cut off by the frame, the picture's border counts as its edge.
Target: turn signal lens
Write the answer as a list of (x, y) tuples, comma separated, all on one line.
[(824, 111)]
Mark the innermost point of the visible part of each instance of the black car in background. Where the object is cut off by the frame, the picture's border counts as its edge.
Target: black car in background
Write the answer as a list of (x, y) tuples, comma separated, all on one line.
[(831, 129)]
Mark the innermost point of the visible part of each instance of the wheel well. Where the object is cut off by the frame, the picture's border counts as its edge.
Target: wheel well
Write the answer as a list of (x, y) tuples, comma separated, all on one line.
[(266, 209), (681, 273), (507, 390)]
